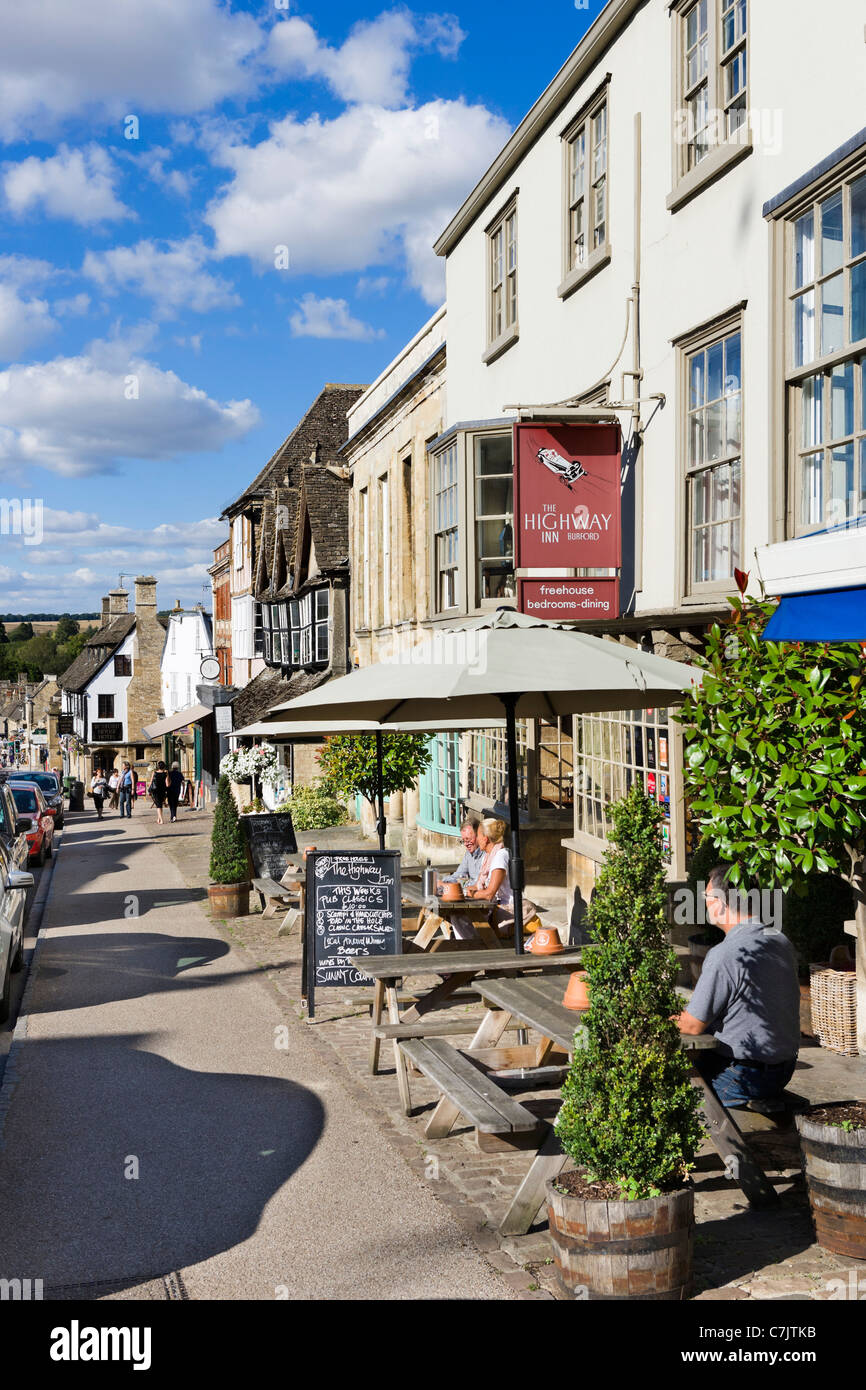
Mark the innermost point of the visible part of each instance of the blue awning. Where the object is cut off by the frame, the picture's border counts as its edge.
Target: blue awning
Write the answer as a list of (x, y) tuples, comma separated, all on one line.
[(834, 615)]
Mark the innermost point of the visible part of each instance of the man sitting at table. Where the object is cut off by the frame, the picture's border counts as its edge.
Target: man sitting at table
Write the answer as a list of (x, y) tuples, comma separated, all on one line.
[(470, 865), (748, 996)]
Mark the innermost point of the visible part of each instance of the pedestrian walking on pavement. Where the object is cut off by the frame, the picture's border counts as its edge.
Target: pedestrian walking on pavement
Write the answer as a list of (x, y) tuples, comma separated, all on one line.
[(158, 790), (98, 790), (126, 790), (175, 787)]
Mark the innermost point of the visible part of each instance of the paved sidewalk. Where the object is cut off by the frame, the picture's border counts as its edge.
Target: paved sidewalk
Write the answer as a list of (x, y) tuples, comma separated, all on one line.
[(168, 1127), (739, 1253)]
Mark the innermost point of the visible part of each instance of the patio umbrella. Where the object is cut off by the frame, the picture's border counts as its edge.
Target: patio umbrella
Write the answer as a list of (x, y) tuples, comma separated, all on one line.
[(282, 731), (504, 662)]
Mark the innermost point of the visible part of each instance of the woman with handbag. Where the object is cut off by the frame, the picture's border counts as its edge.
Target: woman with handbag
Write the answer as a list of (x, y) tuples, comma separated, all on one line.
[(159, 790), (98, 790)]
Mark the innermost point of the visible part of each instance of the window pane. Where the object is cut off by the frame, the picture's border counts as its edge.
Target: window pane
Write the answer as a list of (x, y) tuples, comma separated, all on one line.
[(322, 642), (813, 411), (732, 364), (858, 217), (696, 381), (735, 76), (842, 400), (733, 440), (700, 513), (715, 372), (842, 498), (831, 233), (804, 250), (804, 328), (833, 315), (736, 472), (721, 493), (321, 604), (721, 552), (696, 438), (701, 557), (812, 502), (858, 302), (715, 414)]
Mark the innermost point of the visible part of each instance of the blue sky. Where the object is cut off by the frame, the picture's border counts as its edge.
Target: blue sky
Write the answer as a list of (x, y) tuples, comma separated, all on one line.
[(160, 162)]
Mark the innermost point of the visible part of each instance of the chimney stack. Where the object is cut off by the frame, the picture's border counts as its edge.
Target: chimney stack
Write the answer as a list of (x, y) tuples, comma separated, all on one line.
[(106, 610), (118, 603), (145, 595)]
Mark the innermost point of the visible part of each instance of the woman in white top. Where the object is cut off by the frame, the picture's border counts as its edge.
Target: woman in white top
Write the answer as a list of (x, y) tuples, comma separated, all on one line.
[(113, 785), (492, 884)]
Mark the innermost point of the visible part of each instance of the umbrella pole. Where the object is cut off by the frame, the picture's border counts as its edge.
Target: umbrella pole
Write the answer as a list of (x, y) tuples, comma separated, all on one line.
[(515, 867), (380, 788)]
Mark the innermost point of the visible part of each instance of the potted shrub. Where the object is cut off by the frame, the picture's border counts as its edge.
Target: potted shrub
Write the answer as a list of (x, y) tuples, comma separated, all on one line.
[(833, 1140), (621, 1223), (229, 893)]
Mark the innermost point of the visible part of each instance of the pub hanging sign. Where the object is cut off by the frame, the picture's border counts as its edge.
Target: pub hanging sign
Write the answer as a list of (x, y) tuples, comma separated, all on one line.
[(568, 513), (568, 496)]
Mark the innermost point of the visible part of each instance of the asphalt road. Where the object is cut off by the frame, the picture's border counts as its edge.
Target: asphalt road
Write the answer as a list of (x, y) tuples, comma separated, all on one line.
[(168, 1125)]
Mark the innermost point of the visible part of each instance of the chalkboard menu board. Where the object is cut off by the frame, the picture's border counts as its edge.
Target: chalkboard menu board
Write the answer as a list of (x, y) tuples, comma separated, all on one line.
[(271, 840), (353, 908)]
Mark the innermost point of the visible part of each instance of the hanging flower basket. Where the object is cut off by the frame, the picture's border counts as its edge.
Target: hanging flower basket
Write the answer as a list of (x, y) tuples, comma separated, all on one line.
[(260, 762)]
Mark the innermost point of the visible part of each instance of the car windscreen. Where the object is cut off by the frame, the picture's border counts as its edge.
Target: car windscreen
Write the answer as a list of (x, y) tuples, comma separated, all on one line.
[(42, 779), (25, 799)]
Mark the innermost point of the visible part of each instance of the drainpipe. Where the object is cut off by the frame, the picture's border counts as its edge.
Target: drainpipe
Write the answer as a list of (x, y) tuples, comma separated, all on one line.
[(637, 370)]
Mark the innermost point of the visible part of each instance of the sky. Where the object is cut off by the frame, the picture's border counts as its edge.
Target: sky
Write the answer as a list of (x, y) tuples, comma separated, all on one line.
[(208, 211)]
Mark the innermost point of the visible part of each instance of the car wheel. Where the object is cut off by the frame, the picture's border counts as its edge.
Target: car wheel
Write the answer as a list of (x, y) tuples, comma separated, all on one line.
[(6, 999), (18, 959)]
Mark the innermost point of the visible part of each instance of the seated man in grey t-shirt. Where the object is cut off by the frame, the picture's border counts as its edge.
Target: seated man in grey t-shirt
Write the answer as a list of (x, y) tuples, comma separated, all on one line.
[(470, 865), (748, 996)]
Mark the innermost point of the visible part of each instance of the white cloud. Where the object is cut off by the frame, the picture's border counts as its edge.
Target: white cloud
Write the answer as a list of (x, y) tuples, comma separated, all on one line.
[(154, 162), (74, 307), (82, 415), (23, 322), (330, 318), (373, 64), (360, 190), (172, 274), (111, 58), (73, 184), (373, 284), (84, 576)]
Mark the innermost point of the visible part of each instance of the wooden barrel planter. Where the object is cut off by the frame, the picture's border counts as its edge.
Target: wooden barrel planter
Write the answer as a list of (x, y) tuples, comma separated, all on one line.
[(835, 1166), (229, 899), (618, 1250)]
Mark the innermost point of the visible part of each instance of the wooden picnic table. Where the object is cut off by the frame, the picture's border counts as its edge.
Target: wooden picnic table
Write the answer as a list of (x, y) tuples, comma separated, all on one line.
[(537, 1002), (459, 968)]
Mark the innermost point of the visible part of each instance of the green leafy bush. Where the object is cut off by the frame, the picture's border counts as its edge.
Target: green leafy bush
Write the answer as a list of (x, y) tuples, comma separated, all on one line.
[(228, 846), (314, 808), (814, 921), (630, 1113)]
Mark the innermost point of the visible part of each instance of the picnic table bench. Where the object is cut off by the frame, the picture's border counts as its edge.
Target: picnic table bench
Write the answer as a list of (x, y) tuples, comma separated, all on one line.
[(459, 968), (274, 895), (489, 1108)]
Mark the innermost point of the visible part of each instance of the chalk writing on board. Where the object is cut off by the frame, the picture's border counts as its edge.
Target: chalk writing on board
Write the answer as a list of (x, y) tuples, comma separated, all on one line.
[(353, 910)]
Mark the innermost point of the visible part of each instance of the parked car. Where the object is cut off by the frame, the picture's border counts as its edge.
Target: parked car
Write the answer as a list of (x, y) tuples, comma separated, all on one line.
[(50, 787), (32, 806), (12, 828), (14, 883)]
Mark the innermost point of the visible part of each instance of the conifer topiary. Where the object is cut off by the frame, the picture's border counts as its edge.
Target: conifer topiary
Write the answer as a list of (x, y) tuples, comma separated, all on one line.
[(629, 1113), (228, 849)]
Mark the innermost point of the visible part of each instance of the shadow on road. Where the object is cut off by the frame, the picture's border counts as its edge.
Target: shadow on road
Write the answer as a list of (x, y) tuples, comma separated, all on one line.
[(79, 972), (135, 1167)]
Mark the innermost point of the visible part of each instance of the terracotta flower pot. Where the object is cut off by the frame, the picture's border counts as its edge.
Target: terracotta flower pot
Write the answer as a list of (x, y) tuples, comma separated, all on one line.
[(577, 994), (229, 899), (451, 893), (546, 942)]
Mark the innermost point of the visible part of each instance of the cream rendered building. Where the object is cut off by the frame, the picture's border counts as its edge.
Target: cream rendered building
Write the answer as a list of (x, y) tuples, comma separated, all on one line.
[(674, 237), (390, 428)]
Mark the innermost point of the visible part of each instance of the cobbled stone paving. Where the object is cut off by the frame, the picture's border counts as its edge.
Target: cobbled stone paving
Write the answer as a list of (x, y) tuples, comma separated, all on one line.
[(740, 1254)]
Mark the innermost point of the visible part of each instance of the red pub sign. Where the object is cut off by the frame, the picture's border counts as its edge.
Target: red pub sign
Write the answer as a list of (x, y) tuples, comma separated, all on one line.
[(572, 600), (567, 488)]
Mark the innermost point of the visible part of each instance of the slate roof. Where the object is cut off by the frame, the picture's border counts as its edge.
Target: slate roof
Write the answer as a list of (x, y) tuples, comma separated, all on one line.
[(324, 424), (326, 499), (93, 655), (269, 688)]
